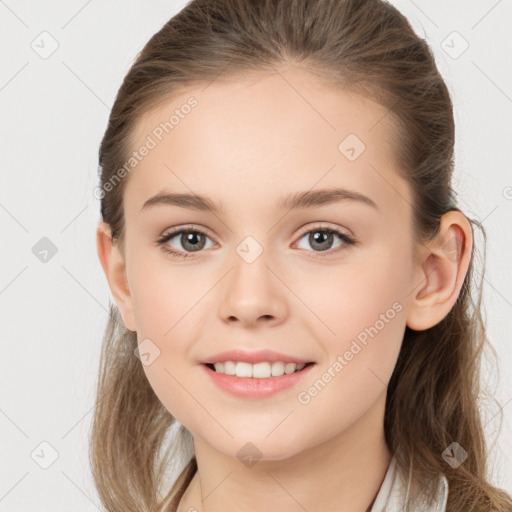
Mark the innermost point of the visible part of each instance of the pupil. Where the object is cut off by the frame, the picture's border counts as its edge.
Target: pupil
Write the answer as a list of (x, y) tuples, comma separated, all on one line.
[(191, 238), (317, 237)]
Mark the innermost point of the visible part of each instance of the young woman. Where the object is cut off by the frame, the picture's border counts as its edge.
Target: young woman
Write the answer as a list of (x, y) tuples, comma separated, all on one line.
[(291, 272)]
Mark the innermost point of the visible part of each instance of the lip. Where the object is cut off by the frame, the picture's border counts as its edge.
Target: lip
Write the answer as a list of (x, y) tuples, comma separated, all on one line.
[(260, 356), (252, 388)]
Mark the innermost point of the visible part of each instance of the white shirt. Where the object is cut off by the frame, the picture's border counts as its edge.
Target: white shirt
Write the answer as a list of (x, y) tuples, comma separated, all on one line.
[(394, 493)]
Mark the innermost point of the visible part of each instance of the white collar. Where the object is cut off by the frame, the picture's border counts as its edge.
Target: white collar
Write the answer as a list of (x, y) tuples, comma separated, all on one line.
[(393, 493)]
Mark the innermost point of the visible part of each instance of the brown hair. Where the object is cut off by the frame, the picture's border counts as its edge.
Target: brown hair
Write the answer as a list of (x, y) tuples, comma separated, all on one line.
[(365, 46)]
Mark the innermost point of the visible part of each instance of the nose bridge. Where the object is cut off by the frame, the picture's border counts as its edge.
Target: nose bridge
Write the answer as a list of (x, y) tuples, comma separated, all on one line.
[(252, 290), (251, 275), (250, 249)]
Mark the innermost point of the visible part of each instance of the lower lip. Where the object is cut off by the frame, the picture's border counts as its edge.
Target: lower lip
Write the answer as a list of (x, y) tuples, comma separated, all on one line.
[(249, 387)]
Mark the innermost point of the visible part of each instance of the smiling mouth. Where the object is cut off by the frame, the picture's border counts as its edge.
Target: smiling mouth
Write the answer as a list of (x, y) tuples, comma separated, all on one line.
[(297, 370)]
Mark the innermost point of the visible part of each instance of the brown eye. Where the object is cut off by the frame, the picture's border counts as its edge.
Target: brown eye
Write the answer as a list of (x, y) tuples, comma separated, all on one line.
[(192, 240), (322, 239), (187, 240)]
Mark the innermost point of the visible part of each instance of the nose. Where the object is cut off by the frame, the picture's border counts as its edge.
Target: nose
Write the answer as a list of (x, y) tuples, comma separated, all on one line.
[(253, 293)]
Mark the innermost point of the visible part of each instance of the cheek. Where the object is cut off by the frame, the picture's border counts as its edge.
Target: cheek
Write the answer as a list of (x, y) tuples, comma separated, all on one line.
[(365, 315), (165, 293), (175, 391), (167, 300), (361, 308)]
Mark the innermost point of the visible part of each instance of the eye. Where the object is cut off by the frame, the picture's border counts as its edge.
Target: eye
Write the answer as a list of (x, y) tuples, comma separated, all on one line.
[(194, 240), (191, 240), (322, 238)]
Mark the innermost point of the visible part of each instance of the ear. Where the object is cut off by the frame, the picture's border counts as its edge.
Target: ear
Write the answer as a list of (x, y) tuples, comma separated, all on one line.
[(113, 263), (441, 270)]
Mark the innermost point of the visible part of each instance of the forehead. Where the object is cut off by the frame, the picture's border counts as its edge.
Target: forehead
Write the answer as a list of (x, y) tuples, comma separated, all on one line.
[(252, 141)]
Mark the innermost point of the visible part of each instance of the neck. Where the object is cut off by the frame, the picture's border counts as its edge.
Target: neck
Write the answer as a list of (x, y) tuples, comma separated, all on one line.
[(344, 472)]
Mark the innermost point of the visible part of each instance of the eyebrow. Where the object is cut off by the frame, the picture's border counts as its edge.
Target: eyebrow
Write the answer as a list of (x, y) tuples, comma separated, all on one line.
[(299, 200)]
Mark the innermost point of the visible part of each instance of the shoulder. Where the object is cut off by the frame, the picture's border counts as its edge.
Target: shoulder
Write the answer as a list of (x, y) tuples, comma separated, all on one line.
[(394, 492)]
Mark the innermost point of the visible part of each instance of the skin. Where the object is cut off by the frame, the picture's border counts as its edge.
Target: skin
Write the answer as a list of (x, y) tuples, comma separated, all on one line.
[(247, 144)]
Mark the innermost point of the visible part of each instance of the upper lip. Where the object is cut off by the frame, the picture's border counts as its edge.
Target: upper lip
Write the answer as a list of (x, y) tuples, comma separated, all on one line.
[(259, 356)]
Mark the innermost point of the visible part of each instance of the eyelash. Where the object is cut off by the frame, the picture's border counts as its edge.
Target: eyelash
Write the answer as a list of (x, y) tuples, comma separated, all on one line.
[(348, 240)]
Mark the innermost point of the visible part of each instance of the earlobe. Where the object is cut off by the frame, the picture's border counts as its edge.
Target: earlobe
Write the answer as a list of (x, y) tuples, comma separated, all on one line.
[(441, 272), (113, 263)]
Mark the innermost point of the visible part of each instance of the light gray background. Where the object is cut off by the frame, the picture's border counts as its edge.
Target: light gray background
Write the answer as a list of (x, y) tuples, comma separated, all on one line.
[(54, 113)]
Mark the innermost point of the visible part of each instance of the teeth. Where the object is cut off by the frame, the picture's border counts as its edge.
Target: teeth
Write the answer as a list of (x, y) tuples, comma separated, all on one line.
[(258, 370)]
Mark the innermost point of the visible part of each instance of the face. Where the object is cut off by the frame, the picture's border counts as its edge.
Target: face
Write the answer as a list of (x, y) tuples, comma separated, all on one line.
[(326, 280)]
